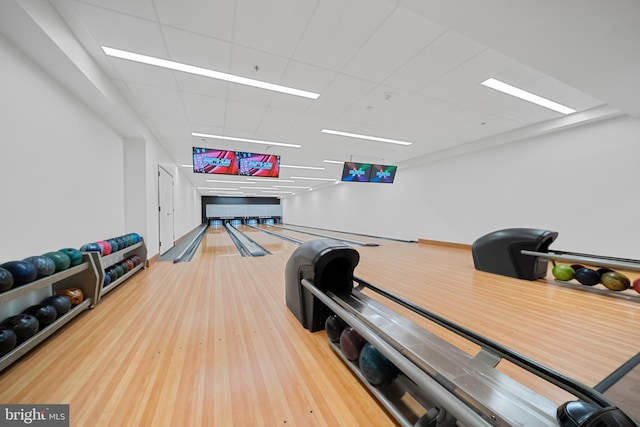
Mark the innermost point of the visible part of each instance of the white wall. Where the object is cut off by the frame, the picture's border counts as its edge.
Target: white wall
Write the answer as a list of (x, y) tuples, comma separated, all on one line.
[(61, 169), (581, 182), (67, 177)]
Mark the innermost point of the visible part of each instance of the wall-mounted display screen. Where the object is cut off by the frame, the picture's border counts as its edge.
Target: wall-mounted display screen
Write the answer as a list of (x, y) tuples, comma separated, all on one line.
[(367, 172), (207, 160), (253, 164), (382, 173), (356, 172), (215, 161)]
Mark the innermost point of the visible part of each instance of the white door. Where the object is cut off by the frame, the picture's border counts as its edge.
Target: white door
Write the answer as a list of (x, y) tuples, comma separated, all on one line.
[(165, 209)]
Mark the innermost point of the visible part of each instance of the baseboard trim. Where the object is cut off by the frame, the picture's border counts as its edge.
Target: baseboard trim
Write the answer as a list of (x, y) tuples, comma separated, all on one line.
[(445, 244)]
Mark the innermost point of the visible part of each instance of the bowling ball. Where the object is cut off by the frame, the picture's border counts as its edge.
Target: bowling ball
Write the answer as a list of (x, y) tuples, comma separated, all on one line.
[(23, 272), (61, 260), (91, 247), (587, 276), (603, 270), (615, 281), (119, 270), (124, 266), (636, 285), (130, 264), (122, 242), (24, 325), (563, 272), (61, 303), (114, 245), (136, 237), (111, 272), (107, 281), (6, 279), (333, 327), (44, 265), (351, 343), (45, 314), (75, 295), (74, 255), (8, 340), (577, 267), (375, 367), (106, 248)]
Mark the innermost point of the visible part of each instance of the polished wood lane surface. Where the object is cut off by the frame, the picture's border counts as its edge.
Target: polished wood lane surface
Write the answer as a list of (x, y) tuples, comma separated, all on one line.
[(212, 343)]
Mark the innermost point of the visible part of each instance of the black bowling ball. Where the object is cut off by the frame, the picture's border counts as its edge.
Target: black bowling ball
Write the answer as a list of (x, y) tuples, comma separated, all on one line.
[(46, 314), (61, 303), (8, 340), (24, 325)]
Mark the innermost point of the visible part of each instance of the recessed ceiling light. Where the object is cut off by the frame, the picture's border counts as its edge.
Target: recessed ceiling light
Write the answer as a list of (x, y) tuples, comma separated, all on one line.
[(187, 166), (333, 161), (308, 177), (268, 179), (219, 188), (229, 182), (279, 192), (258, 188), (159, 62), (290, 186), (252, 141), (302, 167), (371, 138), (527, 96)]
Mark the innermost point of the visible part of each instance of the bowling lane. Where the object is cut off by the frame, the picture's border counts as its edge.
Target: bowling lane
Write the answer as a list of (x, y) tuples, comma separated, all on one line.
[(338, 235), (271, 243), (216, 243), (288, 233)]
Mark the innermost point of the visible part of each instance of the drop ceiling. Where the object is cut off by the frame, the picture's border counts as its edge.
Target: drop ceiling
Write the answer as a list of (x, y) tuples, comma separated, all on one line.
[(380, 69)]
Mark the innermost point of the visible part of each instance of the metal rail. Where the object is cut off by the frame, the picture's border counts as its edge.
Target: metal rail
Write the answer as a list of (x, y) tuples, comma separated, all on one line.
[(577, 389), (586, 259)]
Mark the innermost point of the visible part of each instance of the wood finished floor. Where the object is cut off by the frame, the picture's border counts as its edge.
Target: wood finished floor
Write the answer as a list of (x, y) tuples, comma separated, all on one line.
[(212, 343)]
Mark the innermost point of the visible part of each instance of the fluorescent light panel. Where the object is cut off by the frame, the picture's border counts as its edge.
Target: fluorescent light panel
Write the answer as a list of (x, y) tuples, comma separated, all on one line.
[(268, 179), (290, 186), (229, 182), (333, 161), (302, 167), (359, 136), (252, 141), (158, 62), (527, 96), (318, 179)]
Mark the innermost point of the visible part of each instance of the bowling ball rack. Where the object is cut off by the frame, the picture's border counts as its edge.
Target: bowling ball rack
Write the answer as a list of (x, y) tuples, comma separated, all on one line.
[(619, 264), (451, 387)]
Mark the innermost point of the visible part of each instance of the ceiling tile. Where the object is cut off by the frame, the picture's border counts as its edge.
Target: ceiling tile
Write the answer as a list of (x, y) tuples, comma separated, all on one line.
[(341, 94), (212, 18), (469, 74), (197, 50), (243, 117), (444, 54), (204, 110), (399, 39), (139, 8), (122, 31), (134, 72), (338, 29), (277, 122), (274, 26), (158, 103)]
